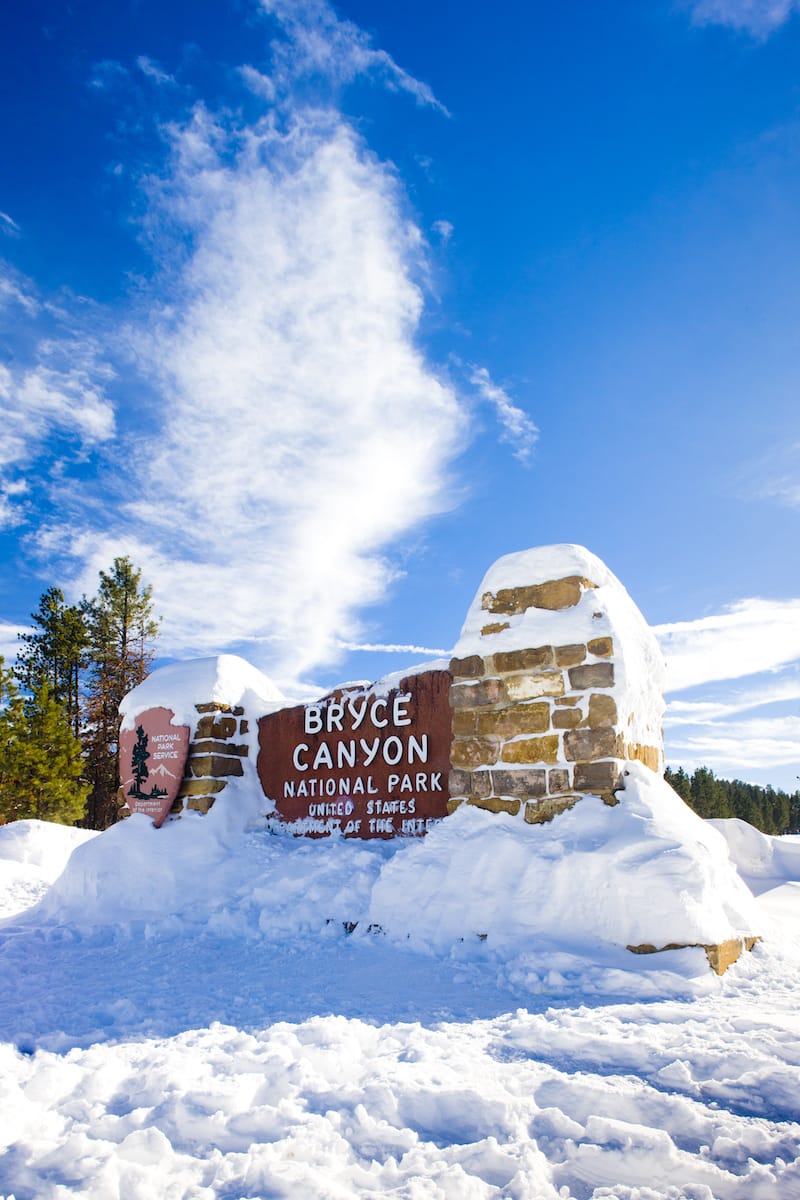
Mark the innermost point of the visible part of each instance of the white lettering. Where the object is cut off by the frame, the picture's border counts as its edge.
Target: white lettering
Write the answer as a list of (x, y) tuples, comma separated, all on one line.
[(418, 744), (335, 714), (288, 789), (396, 754), (298, 766), (399, 714), (393, 782), (323, 757), (370, 751), (378, 724), (313, 718), (357, 716), (346, 754), (436, 781)]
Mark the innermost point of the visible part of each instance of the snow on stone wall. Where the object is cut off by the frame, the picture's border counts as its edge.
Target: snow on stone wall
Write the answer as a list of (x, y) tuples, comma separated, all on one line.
[(557, 682)]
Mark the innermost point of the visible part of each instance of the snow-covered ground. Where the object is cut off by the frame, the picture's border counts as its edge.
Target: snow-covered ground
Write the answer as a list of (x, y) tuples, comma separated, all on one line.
[(185, 1014)]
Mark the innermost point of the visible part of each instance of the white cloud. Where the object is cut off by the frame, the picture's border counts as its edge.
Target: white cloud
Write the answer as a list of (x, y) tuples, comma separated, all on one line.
[(444, 230), (748, 637), (9, 640), (518, 429), (16, 290), (757, 745), (755, 695), (321, 44), (300, 431), (779, 475), (757, 17)]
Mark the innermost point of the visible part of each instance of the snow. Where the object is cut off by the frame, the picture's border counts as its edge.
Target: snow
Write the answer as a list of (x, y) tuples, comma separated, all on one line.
[(602, 611), (185, 1014), (32, 855), (224, 679)]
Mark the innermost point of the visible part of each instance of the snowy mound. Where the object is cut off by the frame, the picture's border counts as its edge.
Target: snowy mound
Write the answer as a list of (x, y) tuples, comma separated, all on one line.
[(224, 679), (32, 855), (756, 854), (646, 871)]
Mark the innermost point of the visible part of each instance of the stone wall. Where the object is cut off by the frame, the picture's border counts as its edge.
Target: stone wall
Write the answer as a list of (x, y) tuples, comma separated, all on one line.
[(215, 756), (535, 728)]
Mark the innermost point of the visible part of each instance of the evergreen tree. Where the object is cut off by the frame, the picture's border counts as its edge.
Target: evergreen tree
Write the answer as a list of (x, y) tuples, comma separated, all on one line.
[(121, 631), (55, 653), (40, 759)]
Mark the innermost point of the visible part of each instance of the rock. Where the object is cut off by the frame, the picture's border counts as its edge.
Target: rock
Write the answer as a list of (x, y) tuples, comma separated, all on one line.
[(467, 668), (215, 765), (554, 595), (518, 718), (494, 627), (602, 647), (566, 718), (597, 777), (215, 727), (474, 752), (518, 783), (602, 712), (570, 656), (211, 747), (539, 812), (532, 750), (524, 660), (475, 695), (528, 687), (593, 675), (587, 745), (198, 787), (495, 804), (558, 780)]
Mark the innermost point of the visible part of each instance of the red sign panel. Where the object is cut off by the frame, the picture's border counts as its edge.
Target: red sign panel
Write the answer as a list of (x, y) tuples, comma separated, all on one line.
[(368, 763), (152, 758)]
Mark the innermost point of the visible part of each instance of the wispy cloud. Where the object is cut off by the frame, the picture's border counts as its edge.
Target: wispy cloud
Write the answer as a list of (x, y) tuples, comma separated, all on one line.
[(708, 712), (518, 430), (395, 648), (323, 45), (758, 745), (759, 18), (9, 226), (777, 477), (154, 72), (748, 637)]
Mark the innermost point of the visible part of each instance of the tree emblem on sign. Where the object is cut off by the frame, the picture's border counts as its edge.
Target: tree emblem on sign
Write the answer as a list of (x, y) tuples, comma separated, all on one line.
[(139, 757)]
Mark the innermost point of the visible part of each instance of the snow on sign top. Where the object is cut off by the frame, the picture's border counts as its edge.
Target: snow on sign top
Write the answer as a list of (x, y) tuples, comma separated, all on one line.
[(225, 679)]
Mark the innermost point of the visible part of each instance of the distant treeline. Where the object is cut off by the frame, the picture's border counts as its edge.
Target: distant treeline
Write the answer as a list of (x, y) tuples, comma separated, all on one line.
[(766, 808)]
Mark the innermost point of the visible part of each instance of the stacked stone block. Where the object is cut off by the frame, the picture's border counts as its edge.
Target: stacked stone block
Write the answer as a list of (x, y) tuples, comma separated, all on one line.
[(215, 756), (537, 727)]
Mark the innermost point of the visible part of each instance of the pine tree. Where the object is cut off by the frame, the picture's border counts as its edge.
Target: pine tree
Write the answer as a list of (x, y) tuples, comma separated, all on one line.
[(121, 631), (40, 759), (55, 653)]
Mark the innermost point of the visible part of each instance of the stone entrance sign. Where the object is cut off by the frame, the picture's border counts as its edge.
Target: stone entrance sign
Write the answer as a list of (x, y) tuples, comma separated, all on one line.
[(369, 763), (152, 758)]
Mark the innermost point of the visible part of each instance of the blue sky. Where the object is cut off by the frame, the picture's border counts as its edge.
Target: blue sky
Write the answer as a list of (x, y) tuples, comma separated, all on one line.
[(315, 312)]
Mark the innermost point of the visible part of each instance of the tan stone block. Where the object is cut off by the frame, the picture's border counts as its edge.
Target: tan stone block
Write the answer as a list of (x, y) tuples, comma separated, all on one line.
[(215, 727), (215, 765), (199, 787), (602, 647), (494, 627), (524, 660), (597, 777), (211, 747), (570, 656), (532, 750), (212, 706), (237, 710), (648, 755), (567, 700), (602, 712), (553, 596), (566, 718), (588, 745), (495, 804), (452, 805), (593, 675), (558, 780), (519, 783), (201, 804), (467, 668), (476, 695), (465, 722), (517, 718), (244, 726), (177, 807), (539, 812), (474, 752), (529, 687)]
